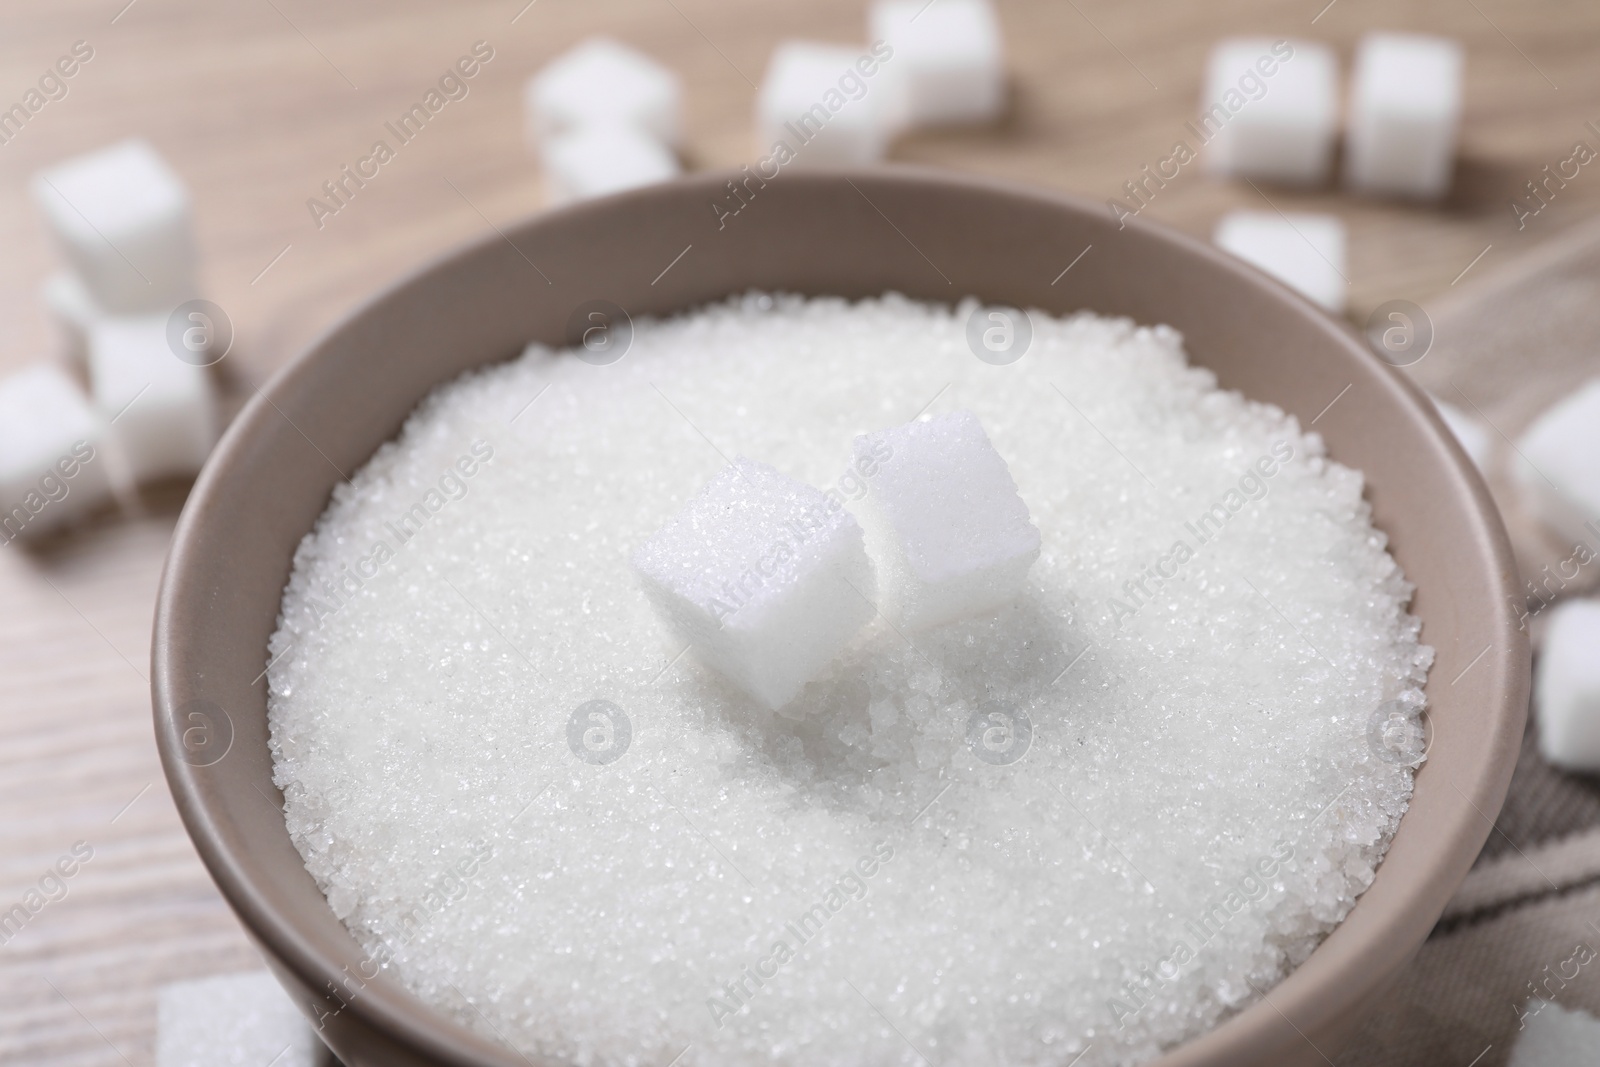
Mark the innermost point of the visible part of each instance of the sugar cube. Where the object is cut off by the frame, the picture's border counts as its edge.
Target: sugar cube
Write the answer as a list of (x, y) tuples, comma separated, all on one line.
[(1305, 252), (122, 219), (1405, 107), (1270, 110), (949, 56), (945, 525), (1557, 467), (829, 104), (603, 82), (765, 576), (1475, 438), (52, 445), (595, 161), (74, 312), (1553, 1036), (161, 408), (234, 1020), (1567, 686)]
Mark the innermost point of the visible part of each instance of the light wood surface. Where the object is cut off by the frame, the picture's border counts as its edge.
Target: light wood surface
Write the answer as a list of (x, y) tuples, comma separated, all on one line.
[(258, 102)]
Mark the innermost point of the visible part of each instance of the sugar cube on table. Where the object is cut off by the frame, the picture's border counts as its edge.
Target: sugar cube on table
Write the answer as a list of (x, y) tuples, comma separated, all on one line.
[(603, 82), (945, 525), (74, 311), (765, 576), (122, 219), (1557, 466), (595, 161), (234, 1020), (829, 104), (1405, 108), (161, 408), (1553, 1036), (52, 453), (1476, 439), (1305, 252), (948, 55), (1567, 686), (1270, 110)]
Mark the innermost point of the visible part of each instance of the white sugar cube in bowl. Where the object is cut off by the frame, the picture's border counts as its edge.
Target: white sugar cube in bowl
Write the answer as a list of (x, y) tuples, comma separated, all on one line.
[(1557, 465), (603, 82), (943, 520), (122, 218), (162, 408), (1305, 252), (949, 56), (766, 577), (1270, 110), (828, 104), (1405, 109), (52, 453)]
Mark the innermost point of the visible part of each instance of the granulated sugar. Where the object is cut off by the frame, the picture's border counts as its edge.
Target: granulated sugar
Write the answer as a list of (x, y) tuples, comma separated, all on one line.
[(1091, 824)]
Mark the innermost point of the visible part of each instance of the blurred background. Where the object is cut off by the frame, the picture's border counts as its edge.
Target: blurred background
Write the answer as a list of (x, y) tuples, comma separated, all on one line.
[(255, 104)]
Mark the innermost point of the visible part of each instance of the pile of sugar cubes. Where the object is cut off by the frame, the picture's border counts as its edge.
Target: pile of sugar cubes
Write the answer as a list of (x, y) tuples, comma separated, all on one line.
[(770, 579), (1270, 112), (1557, 473), (122, 220), (234, 1020), (605, 117)]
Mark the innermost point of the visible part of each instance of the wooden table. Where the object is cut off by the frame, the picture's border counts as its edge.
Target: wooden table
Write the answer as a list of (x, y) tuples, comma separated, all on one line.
[(258, 102)]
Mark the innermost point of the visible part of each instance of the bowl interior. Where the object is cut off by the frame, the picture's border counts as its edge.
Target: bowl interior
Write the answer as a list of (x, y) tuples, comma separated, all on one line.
[(931, 236)]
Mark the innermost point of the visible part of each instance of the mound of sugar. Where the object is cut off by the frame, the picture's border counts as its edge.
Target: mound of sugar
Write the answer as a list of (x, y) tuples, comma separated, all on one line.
[(1088, 825), (943, 520), (764, 576)]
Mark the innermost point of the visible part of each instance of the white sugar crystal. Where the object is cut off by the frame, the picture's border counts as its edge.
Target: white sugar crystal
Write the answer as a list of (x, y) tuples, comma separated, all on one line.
[(943, 520), (829, 104), (75, 312), (233, 1020), (598, 160), (430, 687), (603, 82), (122, 219), (1556, 467), (1405, 107), (1305, 252), (949, 55), (52, 444), (1270, 110), (765, 576), (1474, 435), (1568, 689), (162, 409), (1553, 1036)]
